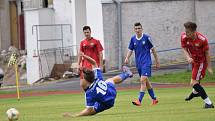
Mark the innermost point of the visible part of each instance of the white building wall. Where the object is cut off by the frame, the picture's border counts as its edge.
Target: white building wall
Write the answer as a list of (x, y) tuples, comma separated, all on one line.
[(38, 17), (5, 25), (63, 14), (95, 19), (32, 63)]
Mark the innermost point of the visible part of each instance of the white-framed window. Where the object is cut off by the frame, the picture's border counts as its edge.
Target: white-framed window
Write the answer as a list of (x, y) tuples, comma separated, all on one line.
[(36, 4)]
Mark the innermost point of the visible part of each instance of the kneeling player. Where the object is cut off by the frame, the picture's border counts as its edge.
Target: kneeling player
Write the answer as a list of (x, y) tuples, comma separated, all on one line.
[(100, 95)]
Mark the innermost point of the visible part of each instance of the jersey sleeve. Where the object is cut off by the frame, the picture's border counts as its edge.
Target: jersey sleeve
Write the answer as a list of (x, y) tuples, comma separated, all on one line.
[(131, 45), (150, 42), (89, 100), (98, 73), (205, 45), (183, 42), (99, 46)]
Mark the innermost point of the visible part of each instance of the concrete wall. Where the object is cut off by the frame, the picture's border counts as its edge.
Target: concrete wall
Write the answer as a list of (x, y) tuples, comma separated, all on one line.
[(4, 25), (32, 62), (163, 20), (79, 19), (95, 19), (205, 18), (63, 12)]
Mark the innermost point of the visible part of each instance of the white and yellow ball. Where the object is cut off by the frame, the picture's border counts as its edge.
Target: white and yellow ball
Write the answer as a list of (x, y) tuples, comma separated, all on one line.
[(12, 114)]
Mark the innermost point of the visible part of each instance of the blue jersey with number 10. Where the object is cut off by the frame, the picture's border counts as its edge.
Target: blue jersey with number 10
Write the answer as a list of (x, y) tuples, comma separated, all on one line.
[(100, 91)]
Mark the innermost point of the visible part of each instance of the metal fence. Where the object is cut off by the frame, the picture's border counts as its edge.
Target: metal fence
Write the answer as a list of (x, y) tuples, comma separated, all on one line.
[(68, 55), (49, 57), (175, 56)]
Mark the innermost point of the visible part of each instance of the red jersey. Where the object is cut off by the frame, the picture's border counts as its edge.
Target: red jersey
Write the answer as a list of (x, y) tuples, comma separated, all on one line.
[(196, 48), (91, 48)]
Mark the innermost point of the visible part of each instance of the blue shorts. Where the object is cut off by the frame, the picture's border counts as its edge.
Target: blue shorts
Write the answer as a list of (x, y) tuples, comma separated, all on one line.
[(144, 71), (99, 107)]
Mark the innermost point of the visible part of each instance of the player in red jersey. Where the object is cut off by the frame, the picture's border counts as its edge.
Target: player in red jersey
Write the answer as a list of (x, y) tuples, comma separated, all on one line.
[(92, 48), (196, 50)]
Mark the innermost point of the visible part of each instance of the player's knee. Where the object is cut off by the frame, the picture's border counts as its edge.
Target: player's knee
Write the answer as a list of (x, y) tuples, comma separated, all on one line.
[(143, 79), (193, 82)]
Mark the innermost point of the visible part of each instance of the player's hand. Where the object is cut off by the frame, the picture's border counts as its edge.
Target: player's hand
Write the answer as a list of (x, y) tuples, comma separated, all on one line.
[(68, 115), (126, 61), (81, 54), (210, 70), (157, 65), (190, 60), (80, 68)]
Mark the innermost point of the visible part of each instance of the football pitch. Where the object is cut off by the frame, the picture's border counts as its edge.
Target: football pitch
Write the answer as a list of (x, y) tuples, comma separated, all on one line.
[(171, 107)]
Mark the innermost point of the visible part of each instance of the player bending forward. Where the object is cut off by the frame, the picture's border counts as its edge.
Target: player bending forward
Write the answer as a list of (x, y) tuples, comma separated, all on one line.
[(100, 94), (196, 50)]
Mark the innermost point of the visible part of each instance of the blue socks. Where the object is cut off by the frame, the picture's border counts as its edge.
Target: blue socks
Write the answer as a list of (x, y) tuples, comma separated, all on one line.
[(141, 95), (151, 93), (124, 76)]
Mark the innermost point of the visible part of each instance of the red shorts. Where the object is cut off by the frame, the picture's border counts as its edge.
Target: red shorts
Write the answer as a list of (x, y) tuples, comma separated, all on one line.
[(198, 71)]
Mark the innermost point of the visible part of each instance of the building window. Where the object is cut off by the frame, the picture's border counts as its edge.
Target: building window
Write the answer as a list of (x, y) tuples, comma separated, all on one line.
[(47, 3), (35, 4)]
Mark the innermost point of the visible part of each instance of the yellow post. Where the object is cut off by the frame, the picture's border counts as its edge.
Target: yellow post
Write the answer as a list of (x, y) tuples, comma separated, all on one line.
[(17, 81)]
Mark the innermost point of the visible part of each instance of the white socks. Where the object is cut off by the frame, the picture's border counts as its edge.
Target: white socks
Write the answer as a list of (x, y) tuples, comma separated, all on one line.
[(208, 101)]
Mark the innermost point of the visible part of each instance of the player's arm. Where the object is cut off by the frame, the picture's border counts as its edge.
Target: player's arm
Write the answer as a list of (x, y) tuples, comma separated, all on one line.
[(101, 59), (79, 59), (89, 59), (157, 63), (187, 55), (208, 58), (86, 112), (128, 55)]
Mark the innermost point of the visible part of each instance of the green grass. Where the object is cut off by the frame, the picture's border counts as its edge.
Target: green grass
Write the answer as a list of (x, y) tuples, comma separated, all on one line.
[(171, 107), (179, 77)]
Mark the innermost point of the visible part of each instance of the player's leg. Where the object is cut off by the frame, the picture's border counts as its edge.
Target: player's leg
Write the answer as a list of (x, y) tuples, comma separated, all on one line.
[(198, 73), (121, 77), (194, 93), (151, 92), (149, 86), (143, 78)]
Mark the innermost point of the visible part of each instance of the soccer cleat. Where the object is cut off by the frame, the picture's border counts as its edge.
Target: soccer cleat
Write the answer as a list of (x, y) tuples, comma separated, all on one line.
[(136, 102), (127, 70), (208, 106), (154, 102), (188, 98)]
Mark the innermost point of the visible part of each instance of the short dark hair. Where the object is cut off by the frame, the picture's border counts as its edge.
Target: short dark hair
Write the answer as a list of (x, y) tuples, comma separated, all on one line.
[(138, 24), (86, 27), (89, 75), (190, 25)]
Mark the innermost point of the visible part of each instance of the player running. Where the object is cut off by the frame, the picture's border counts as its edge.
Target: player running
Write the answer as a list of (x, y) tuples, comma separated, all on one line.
[(100, 95), (196, 50), (141, 44)]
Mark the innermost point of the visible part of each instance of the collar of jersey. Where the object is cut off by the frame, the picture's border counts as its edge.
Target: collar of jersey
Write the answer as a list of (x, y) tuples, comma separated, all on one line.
[(140, 37), (93, 84)]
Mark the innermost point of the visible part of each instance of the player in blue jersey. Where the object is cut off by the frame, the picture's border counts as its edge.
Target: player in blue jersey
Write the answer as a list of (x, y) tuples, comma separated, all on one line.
[(100, 94), (141, 44)]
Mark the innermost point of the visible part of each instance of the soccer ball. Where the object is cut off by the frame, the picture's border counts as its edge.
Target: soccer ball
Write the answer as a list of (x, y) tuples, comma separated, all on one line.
[(12, 114)]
